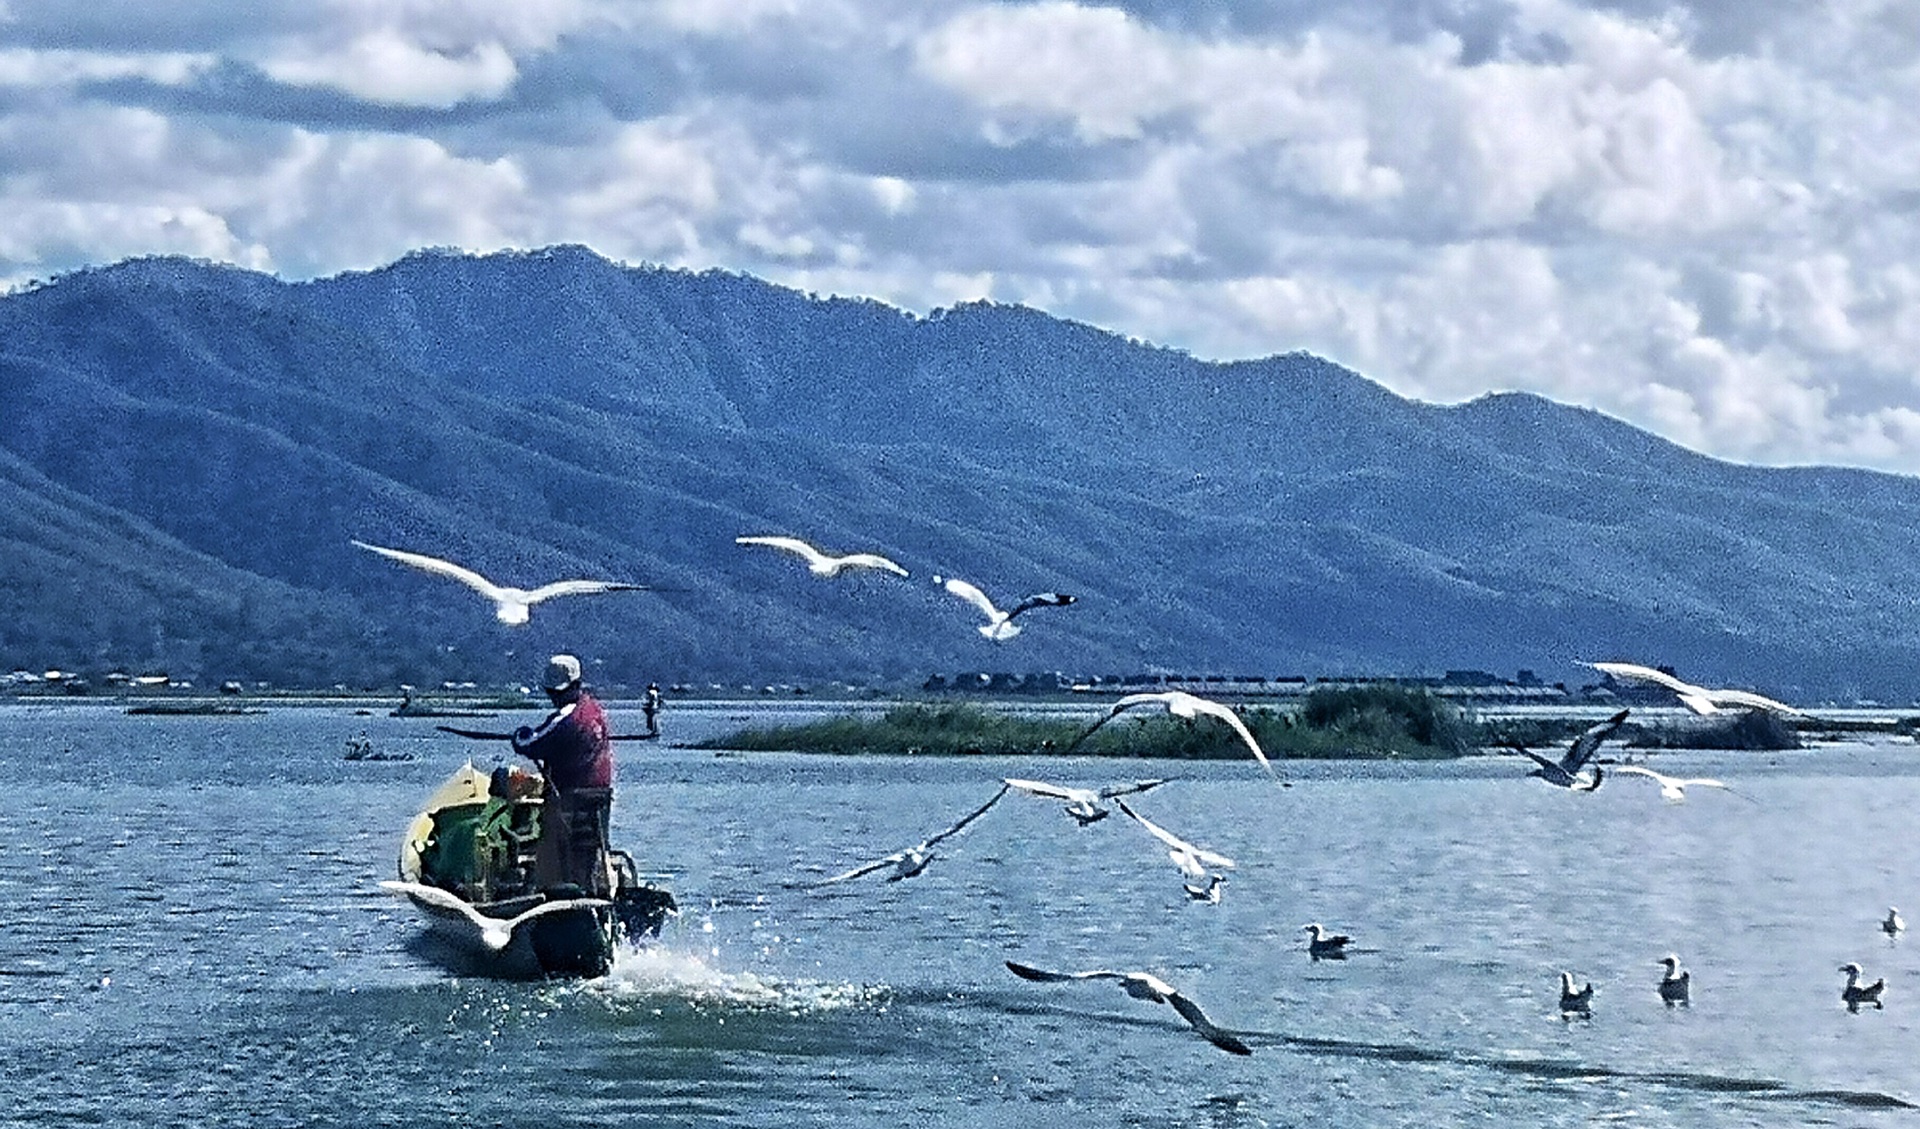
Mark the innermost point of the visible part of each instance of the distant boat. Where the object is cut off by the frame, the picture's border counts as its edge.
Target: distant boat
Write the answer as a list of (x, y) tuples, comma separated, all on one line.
[(467, 863)]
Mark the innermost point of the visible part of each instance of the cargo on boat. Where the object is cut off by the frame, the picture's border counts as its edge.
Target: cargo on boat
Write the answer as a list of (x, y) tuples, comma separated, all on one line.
[(482, 863)]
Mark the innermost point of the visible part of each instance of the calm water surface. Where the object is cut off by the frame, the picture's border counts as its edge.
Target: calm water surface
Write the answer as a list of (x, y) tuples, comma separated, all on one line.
[(194, 936)]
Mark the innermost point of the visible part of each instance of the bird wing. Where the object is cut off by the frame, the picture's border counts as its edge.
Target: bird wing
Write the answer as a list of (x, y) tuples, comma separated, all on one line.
[(1041, 600), (1174, 841), (580, 588), (1543, 762), (1165, 699), (1198, 1020), (970, 817), (443, 899), (972, 596), (439, 567), (1111, 791), (1751, 701), (1054, 791), (865, 868), (1588, 741), (790, 544), (1028, 972), (1225, 713), (1637, 673), (1636, 770), (872, 560)]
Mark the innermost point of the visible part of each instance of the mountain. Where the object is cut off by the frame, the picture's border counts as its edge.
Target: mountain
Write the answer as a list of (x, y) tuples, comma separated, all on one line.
[(188, 450)]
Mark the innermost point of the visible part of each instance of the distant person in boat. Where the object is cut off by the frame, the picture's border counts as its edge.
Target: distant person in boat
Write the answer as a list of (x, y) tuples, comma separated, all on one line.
[(575, 752), (652, 709)]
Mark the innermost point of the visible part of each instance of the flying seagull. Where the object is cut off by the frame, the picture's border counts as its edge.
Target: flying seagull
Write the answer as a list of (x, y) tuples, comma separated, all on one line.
[(1575, 1002), (1083, 804), (1000, 626), (914, 859), (512, 606), (1699, 699), (1186, 706), (1569, 771), (1192, 861), (822, 564), (1323, 945), (496, 933), (1145, 986), (1856, 993), (1210, 893), (1673, 789), (1676, 987)]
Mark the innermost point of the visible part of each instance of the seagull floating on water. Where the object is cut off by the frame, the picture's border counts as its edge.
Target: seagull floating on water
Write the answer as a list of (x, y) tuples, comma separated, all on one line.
[(914, 859), (1145, 986), (1570, 770), (1676, 985), (1575, 1002), (496, 933), (1700, 699), (1000, 626), (823, 564), (1893, 925), (1673, 789), (1083, 804), (1186, 706), (1856, 993), (1192, 861), (512, 606), (1322, 945)]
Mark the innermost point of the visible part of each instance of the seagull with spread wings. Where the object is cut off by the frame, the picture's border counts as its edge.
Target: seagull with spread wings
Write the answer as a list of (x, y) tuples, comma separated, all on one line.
[(911, 861), (512, 606), (1192, 861), (1187, 707), (496, 933), (1000, 626), (1570, 770), (824, 564), (1700, 699), (1083, 804), (1673, 789), (1145, 986)]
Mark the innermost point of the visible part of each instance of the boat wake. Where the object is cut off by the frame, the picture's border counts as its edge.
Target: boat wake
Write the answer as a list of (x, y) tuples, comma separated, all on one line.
[(665, 974)]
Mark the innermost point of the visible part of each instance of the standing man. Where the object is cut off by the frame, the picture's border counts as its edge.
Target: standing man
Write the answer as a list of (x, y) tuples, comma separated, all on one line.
[(652, 709), (575, 753)]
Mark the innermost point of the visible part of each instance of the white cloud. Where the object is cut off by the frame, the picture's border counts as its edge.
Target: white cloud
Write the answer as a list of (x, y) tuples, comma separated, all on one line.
[(1703, 220)]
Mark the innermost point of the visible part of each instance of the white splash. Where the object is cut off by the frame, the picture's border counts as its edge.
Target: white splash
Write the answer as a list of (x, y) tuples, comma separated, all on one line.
[(669, 975)]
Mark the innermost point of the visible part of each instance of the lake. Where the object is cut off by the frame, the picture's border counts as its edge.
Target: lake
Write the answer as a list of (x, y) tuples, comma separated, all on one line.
[(195, 936)]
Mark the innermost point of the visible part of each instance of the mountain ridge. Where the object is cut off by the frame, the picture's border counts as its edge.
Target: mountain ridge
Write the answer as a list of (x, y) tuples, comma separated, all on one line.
[(546, 413)]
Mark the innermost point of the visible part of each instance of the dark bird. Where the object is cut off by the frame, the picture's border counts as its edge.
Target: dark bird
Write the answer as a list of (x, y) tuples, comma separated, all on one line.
[(1893, 926), (1570, 770), (1083, 804), (1676, 987), (1856, 993), (1000, 626), (1572, 1002), (1145, 986), (914, 859), (1323, 945)]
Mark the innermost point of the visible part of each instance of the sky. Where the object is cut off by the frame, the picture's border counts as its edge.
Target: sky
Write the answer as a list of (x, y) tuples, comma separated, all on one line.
[(1701, 218)]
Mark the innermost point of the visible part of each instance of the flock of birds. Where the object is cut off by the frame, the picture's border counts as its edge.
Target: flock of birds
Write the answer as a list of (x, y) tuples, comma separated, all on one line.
[(1200, 868)]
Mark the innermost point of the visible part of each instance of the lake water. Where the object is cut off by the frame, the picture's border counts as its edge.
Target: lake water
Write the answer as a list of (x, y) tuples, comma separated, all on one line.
[(194, 936)]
